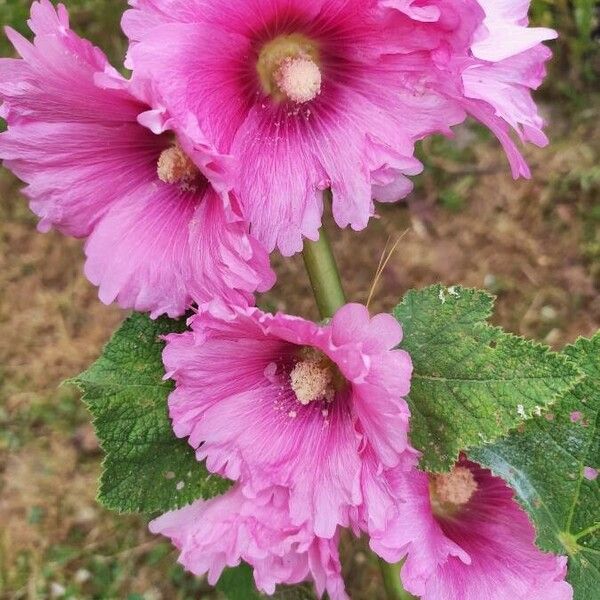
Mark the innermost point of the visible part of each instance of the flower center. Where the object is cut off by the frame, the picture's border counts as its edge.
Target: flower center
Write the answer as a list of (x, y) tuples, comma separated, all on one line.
[(314, 377), (451, 491), (299, 78), (288, 69), (175, 166)]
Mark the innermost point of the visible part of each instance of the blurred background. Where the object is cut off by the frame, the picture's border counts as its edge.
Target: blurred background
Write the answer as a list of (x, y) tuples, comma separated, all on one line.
[(535, 244)]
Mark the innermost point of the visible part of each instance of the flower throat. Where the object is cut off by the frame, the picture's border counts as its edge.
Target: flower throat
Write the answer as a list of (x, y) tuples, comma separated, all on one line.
[(315, 377), (289, 69), (450, 492)]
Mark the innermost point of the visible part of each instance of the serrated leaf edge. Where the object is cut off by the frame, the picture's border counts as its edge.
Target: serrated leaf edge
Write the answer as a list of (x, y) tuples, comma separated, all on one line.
[(484, 325)]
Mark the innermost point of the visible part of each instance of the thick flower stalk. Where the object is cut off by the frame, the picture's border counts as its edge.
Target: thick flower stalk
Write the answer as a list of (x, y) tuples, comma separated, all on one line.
[(161, 226)]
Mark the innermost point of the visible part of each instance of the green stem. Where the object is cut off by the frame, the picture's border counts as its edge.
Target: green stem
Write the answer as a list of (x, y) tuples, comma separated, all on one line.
[(392, 582), (324, 275)]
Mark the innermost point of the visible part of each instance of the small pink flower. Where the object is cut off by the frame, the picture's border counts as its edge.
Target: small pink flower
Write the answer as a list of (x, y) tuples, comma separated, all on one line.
[(161, 228), (576, 416), (221, 532), (280, 401), (464, 537), (308, 94)]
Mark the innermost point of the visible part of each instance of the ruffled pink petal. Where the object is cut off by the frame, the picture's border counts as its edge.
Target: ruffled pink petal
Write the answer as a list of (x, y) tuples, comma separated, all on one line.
[(356, 138), (274, 163), (414, 9), (379, 507), (248, 435), (77, 171), (362, 349), (184, 50), (486, 115), (183, 249), (147, 271), (383, 413), (506, 86), (504, 32), (481, 55), (326, 568), (414, 533), (227, 261), (55, 81), (234, 401), (352, 324), (46, 19), (487, 549), (143, 16), (75, 137), (221, 532)]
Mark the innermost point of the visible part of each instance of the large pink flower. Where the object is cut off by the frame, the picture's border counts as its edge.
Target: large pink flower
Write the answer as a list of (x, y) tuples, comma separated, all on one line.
[(224, 531), (485, 58), (280, 401), (307, 94), (160, 235), (332, 93), (465, 538)]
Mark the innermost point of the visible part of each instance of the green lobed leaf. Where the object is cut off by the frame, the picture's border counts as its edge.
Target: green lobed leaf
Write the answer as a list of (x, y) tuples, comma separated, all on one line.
[(545, 462), (146, 467), (238, 584), (472, 382)]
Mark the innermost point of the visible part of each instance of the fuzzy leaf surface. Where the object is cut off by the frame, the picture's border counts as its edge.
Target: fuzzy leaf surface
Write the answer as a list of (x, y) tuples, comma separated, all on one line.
[(472, 382), (146, 468), (547, 464)]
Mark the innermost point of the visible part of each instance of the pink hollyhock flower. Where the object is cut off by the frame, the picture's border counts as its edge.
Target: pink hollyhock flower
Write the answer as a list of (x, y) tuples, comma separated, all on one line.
[(162, 229), (332, 93), (465, 538), (221, 532), (485, 57), (308, 94), (275, 400)]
